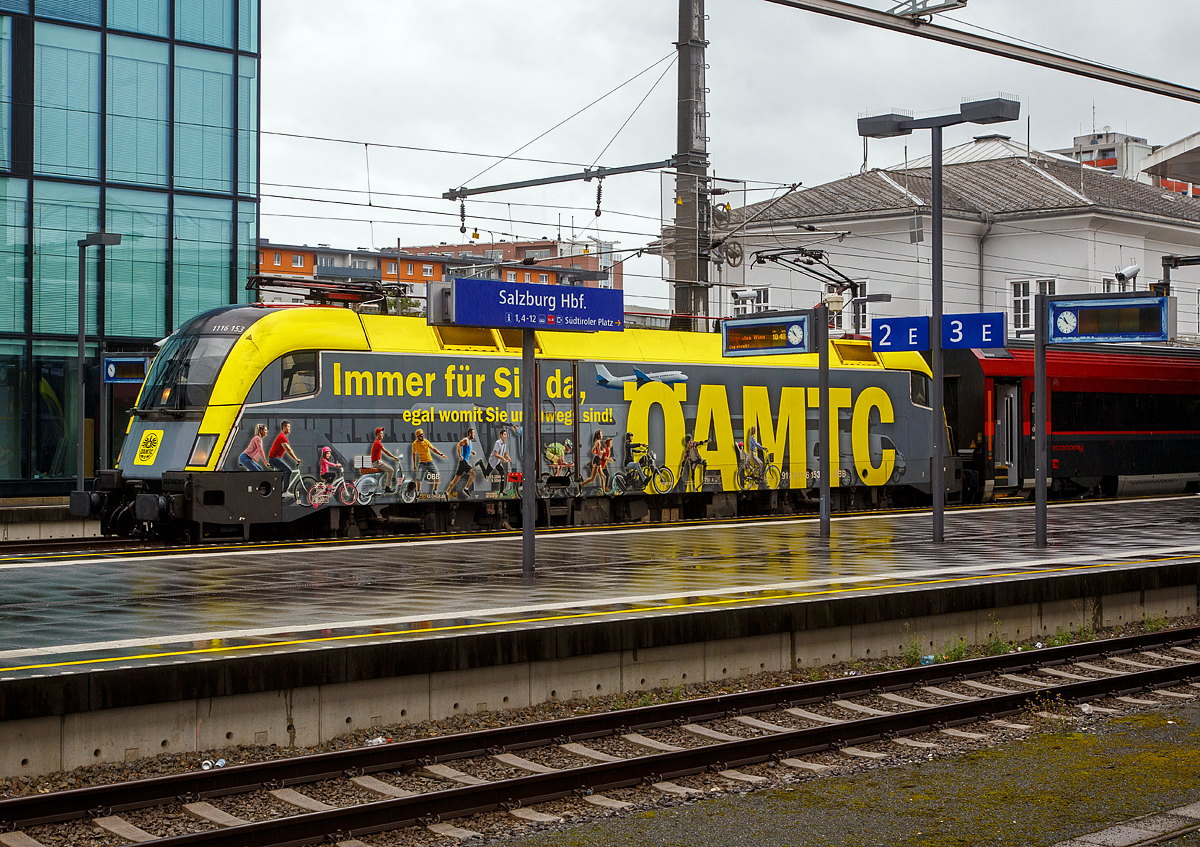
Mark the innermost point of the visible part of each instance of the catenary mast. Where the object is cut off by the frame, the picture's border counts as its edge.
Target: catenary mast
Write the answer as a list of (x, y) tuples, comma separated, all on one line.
[(691, 237)]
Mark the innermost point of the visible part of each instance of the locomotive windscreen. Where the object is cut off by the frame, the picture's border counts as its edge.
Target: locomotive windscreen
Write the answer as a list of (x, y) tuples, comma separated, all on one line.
[(184, 372)]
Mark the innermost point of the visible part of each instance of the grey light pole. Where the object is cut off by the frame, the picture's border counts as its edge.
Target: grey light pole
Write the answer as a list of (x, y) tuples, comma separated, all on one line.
[(868, 298), (93, 239), (994, 110)]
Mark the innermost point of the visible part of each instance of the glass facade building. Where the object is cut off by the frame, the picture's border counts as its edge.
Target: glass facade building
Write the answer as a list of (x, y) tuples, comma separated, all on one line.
[(136, 117)]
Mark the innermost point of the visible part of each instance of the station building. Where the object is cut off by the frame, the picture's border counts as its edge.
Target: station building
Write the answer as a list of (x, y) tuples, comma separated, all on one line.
[(135, 117), (1017, 223)]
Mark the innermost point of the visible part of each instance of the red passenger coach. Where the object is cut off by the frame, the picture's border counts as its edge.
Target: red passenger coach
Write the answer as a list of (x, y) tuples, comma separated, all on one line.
[(1123, 420)]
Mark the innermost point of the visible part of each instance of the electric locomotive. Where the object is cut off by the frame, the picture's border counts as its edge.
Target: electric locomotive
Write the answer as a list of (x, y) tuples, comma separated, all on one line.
[(338, 376)]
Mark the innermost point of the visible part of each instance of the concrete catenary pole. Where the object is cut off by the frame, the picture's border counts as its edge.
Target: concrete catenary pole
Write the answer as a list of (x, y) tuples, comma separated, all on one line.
[(691, 237)]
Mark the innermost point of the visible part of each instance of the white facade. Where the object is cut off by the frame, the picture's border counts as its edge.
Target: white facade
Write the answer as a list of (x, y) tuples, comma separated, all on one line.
[(1042, 233)]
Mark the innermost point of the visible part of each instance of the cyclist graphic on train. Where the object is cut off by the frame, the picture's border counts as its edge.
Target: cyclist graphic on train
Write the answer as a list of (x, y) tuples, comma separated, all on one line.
[(422, 460), (378, 451), (463, 451), (279, 448), (253, 458), (755, 450), (327, 464), (628, 459)]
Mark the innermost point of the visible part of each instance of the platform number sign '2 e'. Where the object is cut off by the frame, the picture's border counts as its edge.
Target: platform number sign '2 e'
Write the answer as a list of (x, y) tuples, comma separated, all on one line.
[(959, 332)]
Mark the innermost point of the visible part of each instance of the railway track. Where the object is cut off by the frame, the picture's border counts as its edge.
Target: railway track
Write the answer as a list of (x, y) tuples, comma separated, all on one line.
[(430, 782)]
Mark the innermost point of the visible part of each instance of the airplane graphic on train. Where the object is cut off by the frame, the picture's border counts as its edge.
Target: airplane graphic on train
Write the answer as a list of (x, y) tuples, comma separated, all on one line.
[(607, 380)]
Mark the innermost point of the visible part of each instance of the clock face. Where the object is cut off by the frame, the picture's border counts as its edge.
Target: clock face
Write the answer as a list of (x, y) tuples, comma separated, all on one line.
[(795, 335), (1066, 322)]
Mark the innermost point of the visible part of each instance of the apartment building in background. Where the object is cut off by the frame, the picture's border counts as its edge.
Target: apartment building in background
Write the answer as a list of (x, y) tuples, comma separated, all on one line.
[(406, 272), (590, 254)]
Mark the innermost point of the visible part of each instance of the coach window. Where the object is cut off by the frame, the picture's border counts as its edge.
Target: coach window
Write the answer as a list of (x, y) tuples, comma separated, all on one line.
[(298, 374)]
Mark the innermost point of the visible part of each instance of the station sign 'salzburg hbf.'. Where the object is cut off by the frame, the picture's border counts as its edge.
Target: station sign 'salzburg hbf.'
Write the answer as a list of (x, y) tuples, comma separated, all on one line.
[(493, 303)]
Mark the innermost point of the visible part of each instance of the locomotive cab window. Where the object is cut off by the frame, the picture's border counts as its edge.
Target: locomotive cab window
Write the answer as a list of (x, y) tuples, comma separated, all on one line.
[(919, 388), (298, 374)]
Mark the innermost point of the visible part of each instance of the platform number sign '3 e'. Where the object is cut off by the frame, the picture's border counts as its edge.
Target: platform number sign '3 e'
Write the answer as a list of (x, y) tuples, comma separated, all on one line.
[(148, 447), (967, 331)]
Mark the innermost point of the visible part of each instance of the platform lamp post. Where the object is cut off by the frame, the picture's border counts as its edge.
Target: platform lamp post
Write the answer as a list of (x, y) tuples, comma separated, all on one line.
[(866, 298), (93, 239), (990, 111)]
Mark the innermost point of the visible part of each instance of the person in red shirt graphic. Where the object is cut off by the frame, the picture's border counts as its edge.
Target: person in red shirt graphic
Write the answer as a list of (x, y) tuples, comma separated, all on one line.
[(378, 451), (280, 447)]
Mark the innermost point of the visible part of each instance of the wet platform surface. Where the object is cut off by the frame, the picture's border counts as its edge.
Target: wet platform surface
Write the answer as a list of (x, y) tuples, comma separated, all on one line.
[(70, 614)]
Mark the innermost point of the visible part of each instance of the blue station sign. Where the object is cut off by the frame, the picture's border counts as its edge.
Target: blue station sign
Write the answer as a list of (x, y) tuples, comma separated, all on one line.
[(528, 305), (1110, 320), (974, 330), (767, 335), (897, 335), (125, 369)]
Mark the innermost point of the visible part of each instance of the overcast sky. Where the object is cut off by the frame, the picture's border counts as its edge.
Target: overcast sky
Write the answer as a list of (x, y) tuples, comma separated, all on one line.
[(786, 88)]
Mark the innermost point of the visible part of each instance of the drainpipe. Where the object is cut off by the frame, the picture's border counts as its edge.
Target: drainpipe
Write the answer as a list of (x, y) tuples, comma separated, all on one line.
[(990, 221)]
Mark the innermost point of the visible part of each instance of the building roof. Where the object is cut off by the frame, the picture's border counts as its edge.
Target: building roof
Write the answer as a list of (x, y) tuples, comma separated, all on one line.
[(1009, 187), (982, 149)]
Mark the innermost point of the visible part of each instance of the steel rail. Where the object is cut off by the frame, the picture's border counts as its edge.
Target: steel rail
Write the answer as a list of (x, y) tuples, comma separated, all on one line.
[(352, 821), (20, 812), (996, 47)]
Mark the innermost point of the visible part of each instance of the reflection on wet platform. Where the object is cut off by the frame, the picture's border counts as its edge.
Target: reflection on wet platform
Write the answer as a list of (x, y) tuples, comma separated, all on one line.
[(71, 613)]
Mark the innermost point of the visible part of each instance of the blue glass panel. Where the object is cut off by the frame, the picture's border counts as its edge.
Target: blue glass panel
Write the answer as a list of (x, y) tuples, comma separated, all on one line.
[(203, 244), (151, 17), (203, 120), (6, 93), (247, 248), (205, 21), (248, 126), (15, 6), (248, 25), (13, 209), (80, 11), (55, 373), (62, 214), (66, 99), (135, 272), (13, 372), (138, 87)]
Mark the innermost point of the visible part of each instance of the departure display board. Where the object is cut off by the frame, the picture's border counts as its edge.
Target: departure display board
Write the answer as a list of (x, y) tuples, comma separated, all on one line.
[(1111, 320), (767, 334)]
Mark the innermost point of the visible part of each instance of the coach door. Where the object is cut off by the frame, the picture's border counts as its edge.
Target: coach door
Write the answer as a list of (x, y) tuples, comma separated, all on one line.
[(1007, 436)]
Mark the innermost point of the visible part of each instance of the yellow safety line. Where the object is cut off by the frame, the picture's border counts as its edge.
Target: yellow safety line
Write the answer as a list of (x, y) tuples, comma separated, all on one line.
[(576, 616)]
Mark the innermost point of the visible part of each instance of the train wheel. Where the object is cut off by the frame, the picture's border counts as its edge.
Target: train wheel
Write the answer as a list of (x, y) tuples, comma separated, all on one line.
[(663, 480), (772, 476)]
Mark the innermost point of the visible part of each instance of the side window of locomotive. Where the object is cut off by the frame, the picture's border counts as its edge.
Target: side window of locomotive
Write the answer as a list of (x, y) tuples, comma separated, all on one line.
[(919, 388), (298, 374), (266, 387)]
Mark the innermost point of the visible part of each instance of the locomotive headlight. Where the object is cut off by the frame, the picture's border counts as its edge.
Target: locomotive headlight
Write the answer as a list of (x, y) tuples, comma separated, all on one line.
[(202, 450)]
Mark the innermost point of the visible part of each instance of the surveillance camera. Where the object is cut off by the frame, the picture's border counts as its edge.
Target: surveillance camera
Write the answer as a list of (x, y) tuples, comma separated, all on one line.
[(1128, 273), (742, 293)]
